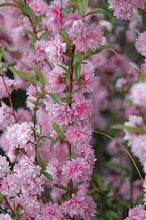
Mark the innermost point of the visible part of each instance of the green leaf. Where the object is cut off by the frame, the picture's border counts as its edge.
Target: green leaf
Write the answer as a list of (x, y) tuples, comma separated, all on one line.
[(55, 97), (142, 78), (42, 162), (65, 36), (116, 166), (59, 186), (58, 130), (110, 214), (67, 10), (129, 128), (40, 75), (53, 143), (2, 199), (44, 34), (77, 69), (7, 4), (84, 56), (97, 11), (19, 73), (26, 9), (81, 5), (1, 52), (48, 176)]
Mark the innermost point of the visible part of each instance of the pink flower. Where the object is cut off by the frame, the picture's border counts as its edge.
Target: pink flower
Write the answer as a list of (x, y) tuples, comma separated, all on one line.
[(82, 110), (137, 94), (19, 134), (39, 7), (51, 211), (4, 167), (61, 114), (75, 206), (54, 168), (10, 185), (125, 9), (6, 116), (77, 134), (31, 206), (54, 22), (141, 43), (90, 208), (5, 217), (85, 151), (75, 169), (137, 213), (55, 50)]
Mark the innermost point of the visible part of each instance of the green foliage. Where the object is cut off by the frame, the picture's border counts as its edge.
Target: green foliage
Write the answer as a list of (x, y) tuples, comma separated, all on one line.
[(77, 68), (45, 34), (55, 98), (48, 176), (129, 128), (7, 5), (142, 78), (42, 162), (65, 36), (58, 130), (40, 76), (84, 56), (81, 5)]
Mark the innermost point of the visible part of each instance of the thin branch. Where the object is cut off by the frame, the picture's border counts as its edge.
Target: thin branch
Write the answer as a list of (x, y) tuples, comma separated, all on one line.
[(124, 148)]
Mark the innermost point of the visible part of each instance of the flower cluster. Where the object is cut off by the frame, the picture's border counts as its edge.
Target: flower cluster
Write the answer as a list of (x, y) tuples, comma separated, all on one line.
[(59, 54)]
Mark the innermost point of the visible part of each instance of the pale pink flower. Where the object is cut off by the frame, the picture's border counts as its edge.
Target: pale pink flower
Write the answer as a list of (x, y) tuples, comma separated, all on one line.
[(51, 211), (55, 50), (141, 43), (6, 116), (137, 94), (54, 22), (85, 151), (77, 134), (90, 208), (23, 115), (39, 7), (54, 80), (5, 217), (61, 114), (75, 206), (10, 185), (82, 110), (75, 169), (20, 134), (54, 168), (4, 167), (125, 9), (31, 206), (137, 213)]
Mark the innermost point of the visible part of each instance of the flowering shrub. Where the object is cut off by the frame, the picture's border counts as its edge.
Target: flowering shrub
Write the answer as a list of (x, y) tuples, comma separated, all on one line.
[(66, 78)]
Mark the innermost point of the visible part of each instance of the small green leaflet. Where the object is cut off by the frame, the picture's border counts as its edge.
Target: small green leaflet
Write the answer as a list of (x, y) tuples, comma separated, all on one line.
[(7, 4), (77, 68), (129, 128), (55, 97), (58, 130), (42, 162), (97, 11), (48, 176), (44, 34), (65, 36), (19, 73), (81, 5), (40, 75), (142, 78)]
